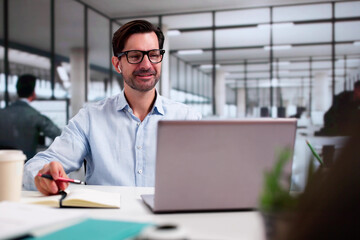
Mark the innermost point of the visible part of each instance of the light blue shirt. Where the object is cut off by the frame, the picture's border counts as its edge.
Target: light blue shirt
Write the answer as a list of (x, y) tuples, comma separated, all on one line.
[(118, 148)]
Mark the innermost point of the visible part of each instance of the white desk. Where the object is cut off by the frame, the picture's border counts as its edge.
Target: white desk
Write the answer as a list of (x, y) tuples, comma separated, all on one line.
[(215, 225), (303, 155)]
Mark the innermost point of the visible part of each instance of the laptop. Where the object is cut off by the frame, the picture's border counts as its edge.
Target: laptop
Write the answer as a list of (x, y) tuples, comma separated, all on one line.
[(216, 165)]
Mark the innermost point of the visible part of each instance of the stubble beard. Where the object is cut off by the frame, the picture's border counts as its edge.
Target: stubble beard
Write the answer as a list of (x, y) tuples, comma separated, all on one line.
[(149, 84)]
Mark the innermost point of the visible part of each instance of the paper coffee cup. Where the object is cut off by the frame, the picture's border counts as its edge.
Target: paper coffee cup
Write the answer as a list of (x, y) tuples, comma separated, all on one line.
[(11, 173)]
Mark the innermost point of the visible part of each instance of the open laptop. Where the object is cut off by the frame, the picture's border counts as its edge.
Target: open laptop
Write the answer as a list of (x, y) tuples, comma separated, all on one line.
[(213, 165)]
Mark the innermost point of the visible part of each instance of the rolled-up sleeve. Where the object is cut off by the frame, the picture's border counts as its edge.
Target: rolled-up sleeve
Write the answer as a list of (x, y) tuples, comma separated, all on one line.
[(70, 149)]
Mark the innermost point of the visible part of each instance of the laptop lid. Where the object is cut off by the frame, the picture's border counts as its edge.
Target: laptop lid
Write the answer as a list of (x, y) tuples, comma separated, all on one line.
[(216, 164)]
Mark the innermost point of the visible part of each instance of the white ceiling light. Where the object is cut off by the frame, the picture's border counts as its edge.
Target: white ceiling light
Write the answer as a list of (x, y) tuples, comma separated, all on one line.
[(276, 25), (209, 66), (190, 52), (171, 33), (278, 47), (357, 43)]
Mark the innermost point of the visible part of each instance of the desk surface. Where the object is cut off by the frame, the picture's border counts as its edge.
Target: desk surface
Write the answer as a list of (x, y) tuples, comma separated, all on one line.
[(216, 225)]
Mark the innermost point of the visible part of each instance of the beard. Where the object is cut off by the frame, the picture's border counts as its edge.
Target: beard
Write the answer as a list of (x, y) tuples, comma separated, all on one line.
[(142, 85)]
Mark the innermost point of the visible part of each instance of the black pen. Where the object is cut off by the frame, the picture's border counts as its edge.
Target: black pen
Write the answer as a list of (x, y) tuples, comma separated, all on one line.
[(48, 176)]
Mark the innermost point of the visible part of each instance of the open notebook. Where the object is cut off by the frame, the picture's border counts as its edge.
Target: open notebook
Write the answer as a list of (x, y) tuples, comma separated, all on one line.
[(78, 197)]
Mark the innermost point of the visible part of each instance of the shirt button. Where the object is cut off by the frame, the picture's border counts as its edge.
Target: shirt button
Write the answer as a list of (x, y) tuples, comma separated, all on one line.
[(140, 171), (138, 123), (139, 147)]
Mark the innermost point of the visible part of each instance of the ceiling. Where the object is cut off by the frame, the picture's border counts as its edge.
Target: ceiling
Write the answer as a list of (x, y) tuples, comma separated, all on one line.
[(129, 8)]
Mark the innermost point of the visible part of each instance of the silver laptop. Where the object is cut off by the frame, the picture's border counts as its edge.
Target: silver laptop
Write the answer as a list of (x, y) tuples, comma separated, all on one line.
[(215, 165)]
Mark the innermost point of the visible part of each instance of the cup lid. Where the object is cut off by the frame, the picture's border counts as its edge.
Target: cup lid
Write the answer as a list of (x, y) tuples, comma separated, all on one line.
[(12, 155)]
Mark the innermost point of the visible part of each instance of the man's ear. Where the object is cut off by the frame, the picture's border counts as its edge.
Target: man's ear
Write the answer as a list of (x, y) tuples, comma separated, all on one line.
[(116, 63)]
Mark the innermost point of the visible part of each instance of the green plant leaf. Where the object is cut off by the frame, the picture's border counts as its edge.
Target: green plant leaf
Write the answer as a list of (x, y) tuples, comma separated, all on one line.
[(275, 196)]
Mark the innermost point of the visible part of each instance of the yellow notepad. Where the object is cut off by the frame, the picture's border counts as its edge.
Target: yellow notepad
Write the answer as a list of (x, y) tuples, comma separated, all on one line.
[(79, 197)]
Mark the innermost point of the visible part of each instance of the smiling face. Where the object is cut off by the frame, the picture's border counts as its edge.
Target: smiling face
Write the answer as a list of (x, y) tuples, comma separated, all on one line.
[(144, 75)]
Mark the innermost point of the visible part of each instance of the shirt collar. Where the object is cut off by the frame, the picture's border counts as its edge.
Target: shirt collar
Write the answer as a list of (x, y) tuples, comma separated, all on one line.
[(122, 103), (24, 100), (157, 108)]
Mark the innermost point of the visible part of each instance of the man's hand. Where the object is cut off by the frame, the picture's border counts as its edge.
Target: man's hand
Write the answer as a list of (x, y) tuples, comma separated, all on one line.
[(47, 186)]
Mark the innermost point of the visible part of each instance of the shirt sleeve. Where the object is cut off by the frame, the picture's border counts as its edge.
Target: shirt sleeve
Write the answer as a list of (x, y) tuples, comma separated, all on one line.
[(70, 149)]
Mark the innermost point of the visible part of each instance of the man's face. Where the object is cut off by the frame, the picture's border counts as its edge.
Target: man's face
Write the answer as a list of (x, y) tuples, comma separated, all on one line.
[(144, 75)]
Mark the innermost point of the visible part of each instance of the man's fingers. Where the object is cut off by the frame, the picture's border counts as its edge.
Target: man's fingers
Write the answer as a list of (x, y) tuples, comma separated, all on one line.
[(43, 190), (62, 185), (46, 186), (55, 170)]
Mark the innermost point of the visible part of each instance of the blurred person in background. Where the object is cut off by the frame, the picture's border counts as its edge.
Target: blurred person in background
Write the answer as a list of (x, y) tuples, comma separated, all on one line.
[(20, 124), (329, 207), (343, 114)]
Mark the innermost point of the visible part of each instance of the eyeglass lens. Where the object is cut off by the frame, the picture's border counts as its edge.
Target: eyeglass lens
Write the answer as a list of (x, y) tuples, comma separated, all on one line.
[(137, 56)]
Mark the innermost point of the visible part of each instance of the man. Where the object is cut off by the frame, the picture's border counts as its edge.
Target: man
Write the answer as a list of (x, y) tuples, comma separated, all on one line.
[(116, 136), (20, 124), (344, 113)]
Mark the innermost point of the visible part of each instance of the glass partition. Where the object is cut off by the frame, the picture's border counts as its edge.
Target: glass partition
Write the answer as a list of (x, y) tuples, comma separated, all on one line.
[(117, 83), (190, 57), (99, 56), (69, 35), (29, 44)]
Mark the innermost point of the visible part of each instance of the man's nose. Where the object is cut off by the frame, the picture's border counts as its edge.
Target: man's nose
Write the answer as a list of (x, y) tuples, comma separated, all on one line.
[(145, 63)]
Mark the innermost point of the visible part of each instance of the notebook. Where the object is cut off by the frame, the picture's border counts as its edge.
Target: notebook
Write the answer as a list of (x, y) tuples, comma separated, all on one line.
[(76, 197), (216, 165)]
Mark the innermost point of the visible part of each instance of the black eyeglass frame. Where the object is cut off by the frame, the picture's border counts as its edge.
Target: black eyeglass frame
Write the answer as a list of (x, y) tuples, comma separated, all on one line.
[(162, 51)]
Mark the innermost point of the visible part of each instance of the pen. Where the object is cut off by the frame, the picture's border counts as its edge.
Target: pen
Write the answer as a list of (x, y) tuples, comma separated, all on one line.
[(48, 176), (314, 153)]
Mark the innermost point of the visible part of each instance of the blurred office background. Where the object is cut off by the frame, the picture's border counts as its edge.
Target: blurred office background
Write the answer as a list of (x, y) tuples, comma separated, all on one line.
[(228, 59)]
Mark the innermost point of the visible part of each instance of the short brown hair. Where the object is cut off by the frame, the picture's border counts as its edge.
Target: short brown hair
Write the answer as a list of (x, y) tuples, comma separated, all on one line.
[(137, 26)]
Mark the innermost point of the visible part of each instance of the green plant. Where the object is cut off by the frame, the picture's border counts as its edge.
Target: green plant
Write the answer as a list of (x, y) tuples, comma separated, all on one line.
[(275, 196)]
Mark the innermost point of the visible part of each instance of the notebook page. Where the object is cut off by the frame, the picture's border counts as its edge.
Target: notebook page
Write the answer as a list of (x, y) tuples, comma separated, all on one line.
[(36, 197), (91, 198)]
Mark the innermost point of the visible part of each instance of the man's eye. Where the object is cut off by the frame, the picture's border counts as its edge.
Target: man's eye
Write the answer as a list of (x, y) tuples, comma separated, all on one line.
[(134, 56)]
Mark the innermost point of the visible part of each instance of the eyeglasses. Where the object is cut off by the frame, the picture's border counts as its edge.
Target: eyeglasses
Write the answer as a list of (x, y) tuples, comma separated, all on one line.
[(136, 56)]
